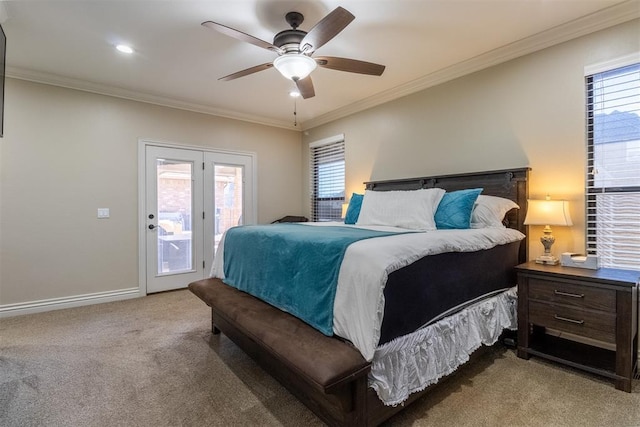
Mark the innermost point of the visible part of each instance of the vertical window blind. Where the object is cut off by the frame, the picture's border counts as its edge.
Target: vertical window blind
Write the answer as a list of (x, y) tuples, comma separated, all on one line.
[(327, 179), (613, 166)]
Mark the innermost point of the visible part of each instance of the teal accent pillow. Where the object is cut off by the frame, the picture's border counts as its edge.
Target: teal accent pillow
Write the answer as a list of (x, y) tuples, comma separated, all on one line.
[(353, 211), (454, 210)]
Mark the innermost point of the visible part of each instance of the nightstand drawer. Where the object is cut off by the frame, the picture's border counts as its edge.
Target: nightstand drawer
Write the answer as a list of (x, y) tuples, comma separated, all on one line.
[(573, 295), (591, 324)]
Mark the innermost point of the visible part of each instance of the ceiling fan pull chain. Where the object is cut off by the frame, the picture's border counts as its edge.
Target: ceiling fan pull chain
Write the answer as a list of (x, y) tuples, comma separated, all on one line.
[(295, 112)]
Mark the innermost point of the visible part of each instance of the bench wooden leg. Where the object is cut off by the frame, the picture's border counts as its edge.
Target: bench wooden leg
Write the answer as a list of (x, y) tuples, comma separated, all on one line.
[(214, 328)]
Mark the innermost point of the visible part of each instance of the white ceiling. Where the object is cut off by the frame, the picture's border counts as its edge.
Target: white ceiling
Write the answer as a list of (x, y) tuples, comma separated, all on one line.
[(177, 61)]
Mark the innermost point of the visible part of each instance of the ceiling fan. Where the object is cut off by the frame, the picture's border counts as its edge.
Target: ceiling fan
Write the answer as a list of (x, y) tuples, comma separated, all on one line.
[(295, 48)]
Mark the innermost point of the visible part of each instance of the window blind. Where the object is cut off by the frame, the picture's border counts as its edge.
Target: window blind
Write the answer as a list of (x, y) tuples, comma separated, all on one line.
[(613, 166), (327, 179)]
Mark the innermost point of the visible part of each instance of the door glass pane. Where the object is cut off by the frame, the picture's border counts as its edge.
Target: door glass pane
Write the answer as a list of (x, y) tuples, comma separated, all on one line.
[(175, 201), (228, 195)]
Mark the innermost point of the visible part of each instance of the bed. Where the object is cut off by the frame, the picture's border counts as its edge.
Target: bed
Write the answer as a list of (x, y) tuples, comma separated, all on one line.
[(341, 377)]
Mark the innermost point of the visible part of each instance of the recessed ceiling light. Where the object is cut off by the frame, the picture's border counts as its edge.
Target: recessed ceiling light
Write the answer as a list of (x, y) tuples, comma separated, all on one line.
[(124, 48)]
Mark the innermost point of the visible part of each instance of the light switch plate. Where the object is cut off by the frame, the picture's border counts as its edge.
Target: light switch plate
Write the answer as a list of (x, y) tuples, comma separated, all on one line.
[(103, 212)]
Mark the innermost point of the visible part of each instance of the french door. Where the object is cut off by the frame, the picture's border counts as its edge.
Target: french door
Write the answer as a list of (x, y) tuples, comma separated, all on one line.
[(190, 198), (229, 195)]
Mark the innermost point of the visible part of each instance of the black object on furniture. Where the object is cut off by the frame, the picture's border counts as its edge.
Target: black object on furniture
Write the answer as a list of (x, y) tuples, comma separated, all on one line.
[(291, 218), (599, 305)]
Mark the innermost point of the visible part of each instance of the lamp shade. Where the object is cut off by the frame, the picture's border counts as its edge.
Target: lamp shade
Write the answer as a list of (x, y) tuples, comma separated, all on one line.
[(548, 212), (295, 66)]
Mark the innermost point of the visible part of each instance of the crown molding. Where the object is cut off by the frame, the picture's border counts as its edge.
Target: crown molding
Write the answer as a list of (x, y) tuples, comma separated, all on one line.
[(600, 20), (102, 89)]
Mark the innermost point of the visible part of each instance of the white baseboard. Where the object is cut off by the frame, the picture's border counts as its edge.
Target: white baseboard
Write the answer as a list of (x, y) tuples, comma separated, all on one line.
[(9, 310)]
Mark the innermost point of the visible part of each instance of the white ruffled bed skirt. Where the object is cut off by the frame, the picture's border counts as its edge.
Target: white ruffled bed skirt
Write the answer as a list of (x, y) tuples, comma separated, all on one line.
[(413, 362)]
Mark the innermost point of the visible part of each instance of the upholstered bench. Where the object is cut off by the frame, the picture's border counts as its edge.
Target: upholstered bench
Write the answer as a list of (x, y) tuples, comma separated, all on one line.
[(327, 374)]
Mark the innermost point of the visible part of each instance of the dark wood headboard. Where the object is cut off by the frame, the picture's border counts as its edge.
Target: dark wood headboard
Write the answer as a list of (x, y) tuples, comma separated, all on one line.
[(511, 184)]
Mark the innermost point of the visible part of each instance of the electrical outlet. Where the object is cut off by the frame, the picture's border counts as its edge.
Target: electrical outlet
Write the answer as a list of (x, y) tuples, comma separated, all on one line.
[(103, 213)]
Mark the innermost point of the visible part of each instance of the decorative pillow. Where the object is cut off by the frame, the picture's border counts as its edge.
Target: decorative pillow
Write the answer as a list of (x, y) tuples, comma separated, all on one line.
[(407, 209), (454, 210), (489, 211), (353, 211)]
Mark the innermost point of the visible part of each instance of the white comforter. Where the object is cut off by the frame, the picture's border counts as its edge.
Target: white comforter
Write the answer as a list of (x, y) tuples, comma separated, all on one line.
[(359, 303)]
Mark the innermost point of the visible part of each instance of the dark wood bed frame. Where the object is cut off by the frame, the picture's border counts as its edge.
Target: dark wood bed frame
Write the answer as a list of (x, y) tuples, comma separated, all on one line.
[(327, 374), (512, 184)]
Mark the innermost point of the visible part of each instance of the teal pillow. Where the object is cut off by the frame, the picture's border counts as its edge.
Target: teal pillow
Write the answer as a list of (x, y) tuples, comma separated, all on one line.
[(353, 211), (454, 210)]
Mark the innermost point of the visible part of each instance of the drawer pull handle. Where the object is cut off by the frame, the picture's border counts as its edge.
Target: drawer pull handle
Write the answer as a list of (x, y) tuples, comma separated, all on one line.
[(564, 319), (568, 294)]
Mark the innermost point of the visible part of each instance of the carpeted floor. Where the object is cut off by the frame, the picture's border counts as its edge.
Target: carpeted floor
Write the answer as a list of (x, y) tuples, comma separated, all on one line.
[(153, 362)]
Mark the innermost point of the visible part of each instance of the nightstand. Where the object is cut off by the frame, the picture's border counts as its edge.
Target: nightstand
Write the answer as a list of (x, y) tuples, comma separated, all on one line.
[(592, 317)]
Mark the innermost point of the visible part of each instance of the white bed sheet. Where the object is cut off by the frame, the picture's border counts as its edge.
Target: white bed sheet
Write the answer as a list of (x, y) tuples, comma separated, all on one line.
[(359, 302)]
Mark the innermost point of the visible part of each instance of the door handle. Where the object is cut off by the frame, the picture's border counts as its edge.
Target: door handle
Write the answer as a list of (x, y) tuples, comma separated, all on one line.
[(151, 226)]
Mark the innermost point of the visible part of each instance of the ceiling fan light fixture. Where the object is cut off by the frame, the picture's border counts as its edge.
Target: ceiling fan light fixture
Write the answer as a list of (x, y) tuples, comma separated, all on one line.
[(294, 66)]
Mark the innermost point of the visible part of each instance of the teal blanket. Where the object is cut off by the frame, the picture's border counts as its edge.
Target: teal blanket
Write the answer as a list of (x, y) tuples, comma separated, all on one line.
[(291, 266)]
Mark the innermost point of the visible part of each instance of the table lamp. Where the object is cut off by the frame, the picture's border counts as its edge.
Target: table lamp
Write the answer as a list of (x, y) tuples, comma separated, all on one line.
[(548, 212)]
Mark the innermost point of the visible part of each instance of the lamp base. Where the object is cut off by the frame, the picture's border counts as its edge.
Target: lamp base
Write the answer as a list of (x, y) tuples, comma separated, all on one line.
[(547, 259)]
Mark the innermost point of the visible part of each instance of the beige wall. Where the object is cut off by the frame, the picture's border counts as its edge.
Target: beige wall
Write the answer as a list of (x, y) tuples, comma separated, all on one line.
[(66, 153), (527, 112)]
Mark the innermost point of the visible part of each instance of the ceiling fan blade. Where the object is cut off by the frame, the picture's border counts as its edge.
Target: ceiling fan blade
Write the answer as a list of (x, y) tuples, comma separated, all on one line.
[(239, 35), (326, 29), (248, 71), (350, 65), (305, 87)]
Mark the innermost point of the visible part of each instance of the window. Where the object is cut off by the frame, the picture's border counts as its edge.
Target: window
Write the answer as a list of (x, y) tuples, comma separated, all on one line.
[(327, 179), (613, 166)]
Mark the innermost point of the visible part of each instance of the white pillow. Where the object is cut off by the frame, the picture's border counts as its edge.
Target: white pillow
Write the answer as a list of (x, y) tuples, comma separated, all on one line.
[(489, 211), (407, 209)]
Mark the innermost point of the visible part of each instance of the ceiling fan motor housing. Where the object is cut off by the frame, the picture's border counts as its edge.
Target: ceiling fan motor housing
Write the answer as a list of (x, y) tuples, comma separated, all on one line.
[(289, 40)]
